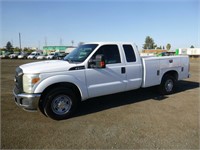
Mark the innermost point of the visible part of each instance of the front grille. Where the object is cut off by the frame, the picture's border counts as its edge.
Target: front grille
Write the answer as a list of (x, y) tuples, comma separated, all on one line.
[(18, 80)]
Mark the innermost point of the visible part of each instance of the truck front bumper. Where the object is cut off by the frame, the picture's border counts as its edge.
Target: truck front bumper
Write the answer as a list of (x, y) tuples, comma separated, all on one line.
[(28, 102)]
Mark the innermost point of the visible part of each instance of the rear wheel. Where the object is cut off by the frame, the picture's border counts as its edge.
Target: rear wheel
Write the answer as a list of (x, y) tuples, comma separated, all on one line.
[(167, 85), (60, 103)]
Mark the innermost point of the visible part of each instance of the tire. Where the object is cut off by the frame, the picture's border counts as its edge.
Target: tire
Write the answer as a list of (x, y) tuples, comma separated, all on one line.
[(167, 85), (60, 103)]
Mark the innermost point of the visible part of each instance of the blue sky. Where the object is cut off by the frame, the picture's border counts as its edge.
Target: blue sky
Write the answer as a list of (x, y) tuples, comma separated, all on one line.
[(166, 21)]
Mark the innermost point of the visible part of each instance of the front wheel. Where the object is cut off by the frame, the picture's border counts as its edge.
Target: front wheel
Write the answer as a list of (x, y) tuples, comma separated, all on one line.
[(167, 85), (60, 103)]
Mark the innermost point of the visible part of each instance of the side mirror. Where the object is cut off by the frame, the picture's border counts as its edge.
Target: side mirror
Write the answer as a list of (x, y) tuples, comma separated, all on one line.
[(100, 61)]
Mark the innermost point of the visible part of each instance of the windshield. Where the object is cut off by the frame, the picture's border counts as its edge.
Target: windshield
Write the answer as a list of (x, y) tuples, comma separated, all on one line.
[(33, 53), (80, 53)]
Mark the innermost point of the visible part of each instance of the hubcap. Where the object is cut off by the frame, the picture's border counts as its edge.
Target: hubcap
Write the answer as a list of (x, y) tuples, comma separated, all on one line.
[(61, 104), (169, 85)]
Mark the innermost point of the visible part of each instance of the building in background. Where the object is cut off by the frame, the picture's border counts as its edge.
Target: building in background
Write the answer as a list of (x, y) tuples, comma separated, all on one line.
[(61, 49)]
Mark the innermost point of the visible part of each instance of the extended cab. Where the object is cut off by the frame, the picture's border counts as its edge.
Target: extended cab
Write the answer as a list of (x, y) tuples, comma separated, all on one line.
[(91, 70)]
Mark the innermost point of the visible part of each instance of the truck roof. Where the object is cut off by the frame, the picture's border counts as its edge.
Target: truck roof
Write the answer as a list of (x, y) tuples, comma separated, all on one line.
[(102, 43)]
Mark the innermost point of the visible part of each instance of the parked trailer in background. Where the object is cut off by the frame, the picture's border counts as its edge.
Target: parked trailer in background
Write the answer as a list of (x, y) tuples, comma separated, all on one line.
[(188, 51)]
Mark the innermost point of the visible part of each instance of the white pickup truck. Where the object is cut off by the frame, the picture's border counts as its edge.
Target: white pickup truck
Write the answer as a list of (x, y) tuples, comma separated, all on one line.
[(91, 70)]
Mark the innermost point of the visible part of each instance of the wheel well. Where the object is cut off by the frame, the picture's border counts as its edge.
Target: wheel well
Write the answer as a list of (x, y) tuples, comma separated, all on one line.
[(173, 73), (63, 84)]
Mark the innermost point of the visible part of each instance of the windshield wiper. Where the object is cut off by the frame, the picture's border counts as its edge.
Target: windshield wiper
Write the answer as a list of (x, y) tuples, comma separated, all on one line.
[(68, 60)]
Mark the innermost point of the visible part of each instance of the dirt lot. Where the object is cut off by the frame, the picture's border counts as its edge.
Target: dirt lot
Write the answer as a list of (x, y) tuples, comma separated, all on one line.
[(137, 119)]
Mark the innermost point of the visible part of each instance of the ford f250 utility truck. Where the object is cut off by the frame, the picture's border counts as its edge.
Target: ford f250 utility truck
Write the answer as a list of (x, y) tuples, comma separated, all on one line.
[(92, 70)]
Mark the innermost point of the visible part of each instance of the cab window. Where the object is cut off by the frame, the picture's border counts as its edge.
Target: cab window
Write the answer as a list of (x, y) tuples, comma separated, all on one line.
[(129, 52), (110, 52)]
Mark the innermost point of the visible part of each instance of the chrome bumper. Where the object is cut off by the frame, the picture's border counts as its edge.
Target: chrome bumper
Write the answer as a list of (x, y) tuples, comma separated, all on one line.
[(28, 102)]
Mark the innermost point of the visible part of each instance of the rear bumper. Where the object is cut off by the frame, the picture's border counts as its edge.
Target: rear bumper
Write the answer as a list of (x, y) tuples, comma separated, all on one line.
[(26, 101)]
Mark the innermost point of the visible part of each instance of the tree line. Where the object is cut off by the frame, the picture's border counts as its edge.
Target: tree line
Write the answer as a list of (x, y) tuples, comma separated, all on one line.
[(9, 48), (149, 44)]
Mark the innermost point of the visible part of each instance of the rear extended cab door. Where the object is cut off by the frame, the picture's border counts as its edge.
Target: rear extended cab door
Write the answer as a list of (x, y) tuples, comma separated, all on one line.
[(133, 66)]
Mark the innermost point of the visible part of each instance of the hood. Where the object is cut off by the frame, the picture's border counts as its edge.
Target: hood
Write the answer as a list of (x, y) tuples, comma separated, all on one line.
[(46, 66)]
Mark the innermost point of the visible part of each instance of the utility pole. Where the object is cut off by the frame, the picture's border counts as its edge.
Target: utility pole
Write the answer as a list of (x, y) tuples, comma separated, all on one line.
[(45, 41), (12, 42), (72, 42), (38, 45), (20, 46)]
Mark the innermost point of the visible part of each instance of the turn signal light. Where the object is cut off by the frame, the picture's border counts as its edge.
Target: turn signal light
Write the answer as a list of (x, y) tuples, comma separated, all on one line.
[(35, 80)]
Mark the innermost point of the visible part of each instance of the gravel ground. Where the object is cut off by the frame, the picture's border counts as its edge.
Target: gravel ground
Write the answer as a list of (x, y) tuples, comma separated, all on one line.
[(139, 119)]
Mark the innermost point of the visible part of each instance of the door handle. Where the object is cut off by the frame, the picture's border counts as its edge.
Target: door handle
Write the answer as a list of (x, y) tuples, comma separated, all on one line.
[(123, 70)]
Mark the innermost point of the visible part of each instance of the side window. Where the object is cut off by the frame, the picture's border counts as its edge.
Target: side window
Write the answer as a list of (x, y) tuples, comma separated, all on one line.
[(129, 52), (110, 52)]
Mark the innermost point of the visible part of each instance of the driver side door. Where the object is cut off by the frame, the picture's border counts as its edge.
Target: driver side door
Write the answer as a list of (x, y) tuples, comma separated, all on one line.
[(109, 80)]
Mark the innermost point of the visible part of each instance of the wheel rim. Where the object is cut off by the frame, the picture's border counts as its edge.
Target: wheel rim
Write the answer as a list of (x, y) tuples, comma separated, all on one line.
[(169, 85), (61, 104)]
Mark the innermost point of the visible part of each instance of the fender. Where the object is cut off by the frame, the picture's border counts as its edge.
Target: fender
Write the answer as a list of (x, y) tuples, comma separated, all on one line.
[(63, 78), (173, 71)]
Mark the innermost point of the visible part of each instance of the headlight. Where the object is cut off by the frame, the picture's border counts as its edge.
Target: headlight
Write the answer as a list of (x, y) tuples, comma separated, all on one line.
[(29, 80)]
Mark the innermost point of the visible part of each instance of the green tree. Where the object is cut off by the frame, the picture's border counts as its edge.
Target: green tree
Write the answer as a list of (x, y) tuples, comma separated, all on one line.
[(149, 43), (9, 46), (168, 46), (191, 46), (16, 49), (28, 50)]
